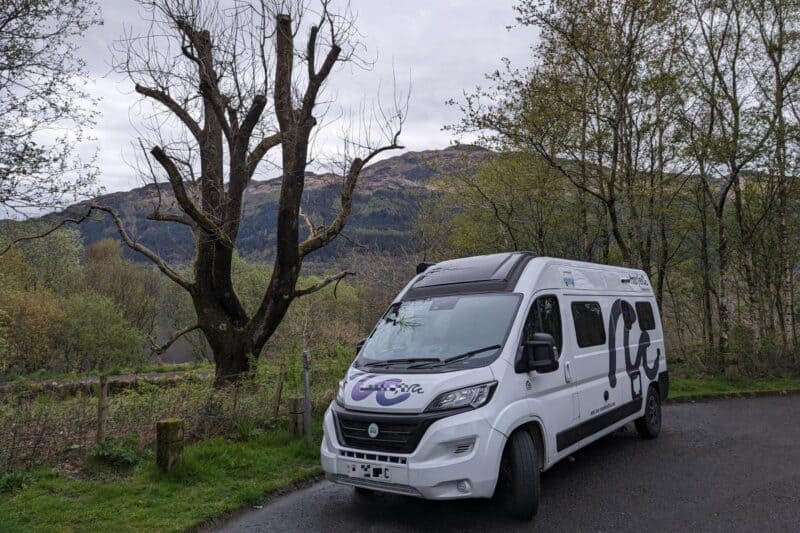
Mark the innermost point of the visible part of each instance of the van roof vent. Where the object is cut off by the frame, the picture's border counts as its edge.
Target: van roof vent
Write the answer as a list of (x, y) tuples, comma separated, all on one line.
[(483, 273)]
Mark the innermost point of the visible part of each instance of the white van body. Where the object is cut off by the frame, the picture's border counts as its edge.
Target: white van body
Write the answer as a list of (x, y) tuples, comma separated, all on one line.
[(381, 432)]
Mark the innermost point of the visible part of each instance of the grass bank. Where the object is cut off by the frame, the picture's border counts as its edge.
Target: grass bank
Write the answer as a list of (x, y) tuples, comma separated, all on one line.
[(218, 476), (709, 387)]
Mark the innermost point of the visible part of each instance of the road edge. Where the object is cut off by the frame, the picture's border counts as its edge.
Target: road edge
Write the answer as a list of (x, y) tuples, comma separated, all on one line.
[(731, 395), (220, 520)]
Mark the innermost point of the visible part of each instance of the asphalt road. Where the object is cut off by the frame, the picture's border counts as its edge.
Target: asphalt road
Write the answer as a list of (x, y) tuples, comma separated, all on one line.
[(727, 465)]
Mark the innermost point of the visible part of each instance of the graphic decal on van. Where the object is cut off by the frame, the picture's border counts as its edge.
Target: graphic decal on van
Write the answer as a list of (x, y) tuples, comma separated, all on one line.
[(623, 309), (389, 391)]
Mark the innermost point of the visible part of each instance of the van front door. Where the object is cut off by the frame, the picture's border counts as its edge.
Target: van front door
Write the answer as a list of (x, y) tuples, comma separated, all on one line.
[(559, 406)]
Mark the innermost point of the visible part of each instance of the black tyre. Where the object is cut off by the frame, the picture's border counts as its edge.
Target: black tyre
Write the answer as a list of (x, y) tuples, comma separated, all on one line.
[(518, 485), (649, 425)]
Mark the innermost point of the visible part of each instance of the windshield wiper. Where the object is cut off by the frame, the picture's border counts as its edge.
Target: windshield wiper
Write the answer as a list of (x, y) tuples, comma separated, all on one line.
[(463, 355), (403, 361)]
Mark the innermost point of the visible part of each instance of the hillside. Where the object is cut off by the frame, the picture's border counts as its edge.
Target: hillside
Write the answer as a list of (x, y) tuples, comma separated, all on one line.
[(385, 204)]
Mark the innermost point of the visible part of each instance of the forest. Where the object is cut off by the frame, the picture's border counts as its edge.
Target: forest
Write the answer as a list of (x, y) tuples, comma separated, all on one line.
[(658, 135)]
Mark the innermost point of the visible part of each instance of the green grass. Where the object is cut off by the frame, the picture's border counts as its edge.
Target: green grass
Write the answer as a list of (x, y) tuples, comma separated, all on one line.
[(217, 476), (45, 375), (681, 387)]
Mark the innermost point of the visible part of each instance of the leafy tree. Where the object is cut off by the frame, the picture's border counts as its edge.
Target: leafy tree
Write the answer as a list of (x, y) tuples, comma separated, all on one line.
[(513, 202), (34, 331), (97, 334), (41, 92), (134, 288), (52, 260)]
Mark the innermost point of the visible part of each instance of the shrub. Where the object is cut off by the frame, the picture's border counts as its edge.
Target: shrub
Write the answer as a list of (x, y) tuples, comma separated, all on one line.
[(120, 452), (15, 480), (34, 326), (97, 333)]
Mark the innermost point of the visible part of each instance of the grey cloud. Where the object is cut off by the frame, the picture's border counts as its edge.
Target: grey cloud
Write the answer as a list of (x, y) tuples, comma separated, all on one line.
[(444, 46)]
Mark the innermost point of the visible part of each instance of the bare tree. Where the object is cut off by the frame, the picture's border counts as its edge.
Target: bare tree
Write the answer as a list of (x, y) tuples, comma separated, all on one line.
[(43, 105), (239, 84)]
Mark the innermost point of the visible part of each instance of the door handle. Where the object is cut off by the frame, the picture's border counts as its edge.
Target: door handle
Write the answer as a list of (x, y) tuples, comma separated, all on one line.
[(567, 372)]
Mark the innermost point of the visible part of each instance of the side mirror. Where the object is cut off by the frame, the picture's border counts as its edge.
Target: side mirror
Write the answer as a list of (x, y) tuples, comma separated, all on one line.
[(538, 354), (360, 344)]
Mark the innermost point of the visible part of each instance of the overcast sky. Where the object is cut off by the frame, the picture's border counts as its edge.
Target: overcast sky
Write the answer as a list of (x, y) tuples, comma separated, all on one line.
[(441, 46)]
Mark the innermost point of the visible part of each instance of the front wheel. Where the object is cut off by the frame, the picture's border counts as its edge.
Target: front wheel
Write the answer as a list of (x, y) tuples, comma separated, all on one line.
[(649, 425), (518, 485)]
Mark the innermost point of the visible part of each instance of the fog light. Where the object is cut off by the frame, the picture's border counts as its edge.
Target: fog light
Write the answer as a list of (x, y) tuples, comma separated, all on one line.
[(463, 486)]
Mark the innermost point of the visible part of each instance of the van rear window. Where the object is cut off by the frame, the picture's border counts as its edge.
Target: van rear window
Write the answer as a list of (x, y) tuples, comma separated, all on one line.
[(645, 313), (589, 325)]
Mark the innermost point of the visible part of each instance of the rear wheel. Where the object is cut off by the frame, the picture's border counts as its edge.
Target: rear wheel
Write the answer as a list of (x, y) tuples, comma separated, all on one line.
[(518, 485), (649, 425)]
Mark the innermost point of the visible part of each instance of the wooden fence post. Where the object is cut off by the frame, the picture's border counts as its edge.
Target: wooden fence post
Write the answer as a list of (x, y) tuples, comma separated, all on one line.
[(307, 398), (276, 400), (169, 443), (296, 409), (102, 408)]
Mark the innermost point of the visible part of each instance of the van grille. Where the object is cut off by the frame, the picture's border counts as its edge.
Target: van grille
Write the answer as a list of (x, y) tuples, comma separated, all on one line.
[(392, 437), (397, 433)]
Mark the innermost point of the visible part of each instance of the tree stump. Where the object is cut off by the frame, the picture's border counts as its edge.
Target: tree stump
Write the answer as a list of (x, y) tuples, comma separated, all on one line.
[(296, 413), (169, 443)]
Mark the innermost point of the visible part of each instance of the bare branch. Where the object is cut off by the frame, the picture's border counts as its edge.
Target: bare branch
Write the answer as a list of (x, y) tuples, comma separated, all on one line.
[(186, 203), (261, 149), (159, 350), (172, 105), (324, 283), (61, 224), (144, 250), (169, 217), (328, 233)]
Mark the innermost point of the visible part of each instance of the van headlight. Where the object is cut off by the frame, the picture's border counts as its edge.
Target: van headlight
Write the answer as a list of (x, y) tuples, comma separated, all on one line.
[(474, 396), (340, 393)]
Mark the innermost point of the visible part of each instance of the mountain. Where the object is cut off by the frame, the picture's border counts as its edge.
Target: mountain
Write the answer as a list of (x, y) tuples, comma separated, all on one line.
[(385, 204)]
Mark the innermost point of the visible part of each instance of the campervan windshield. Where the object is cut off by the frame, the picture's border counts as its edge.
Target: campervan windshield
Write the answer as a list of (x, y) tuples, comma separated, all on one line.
[(445, 331)]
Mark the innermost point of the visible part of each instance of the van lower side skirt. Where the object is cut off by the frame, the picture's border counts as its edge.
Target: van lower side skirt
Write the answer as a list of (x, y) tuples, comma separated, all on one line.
[(577, 433)]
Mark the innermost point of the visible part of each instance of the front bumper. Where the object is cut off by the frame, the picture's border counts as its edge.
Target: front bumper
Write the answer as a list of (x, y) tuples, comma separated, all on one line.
[(460, 448)]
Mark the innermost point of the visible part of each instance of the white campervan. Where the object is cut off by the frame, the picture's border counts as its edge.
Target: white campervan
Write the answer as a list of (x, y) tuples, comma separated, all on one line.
[(487, 370)]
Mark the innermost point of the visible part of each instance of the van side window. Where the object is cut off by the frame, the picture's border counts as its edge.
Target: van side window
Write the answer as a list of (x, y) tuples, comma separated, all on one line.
[(589, 325), (545, 317), (645, 313)]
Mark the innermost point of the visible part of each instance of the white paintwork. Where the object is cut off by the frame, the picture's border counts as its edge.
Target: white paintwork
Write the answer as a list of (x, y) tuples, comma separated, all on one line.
[(554, 401)]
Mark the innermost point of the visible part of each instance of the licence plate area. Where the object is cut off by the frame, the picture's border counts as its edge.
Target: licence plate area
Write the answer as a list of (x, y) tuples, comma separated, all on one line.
[(374, 471), (377, 472)]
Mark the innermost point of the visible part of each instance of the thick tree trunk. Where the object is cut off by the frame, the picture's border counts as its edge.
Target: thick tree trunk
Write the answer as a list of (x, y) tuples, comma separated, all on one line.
[(234, 355)]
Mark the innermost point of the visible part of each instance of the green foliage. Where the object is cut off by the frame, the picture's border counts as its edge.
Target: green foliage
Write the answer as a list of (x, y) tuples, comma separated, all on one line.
[(513, 202), (97, 334), (134, 288), (698, 387), (34, 326), (43, 92), (52, 262), (15, 480), (120, 452)]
